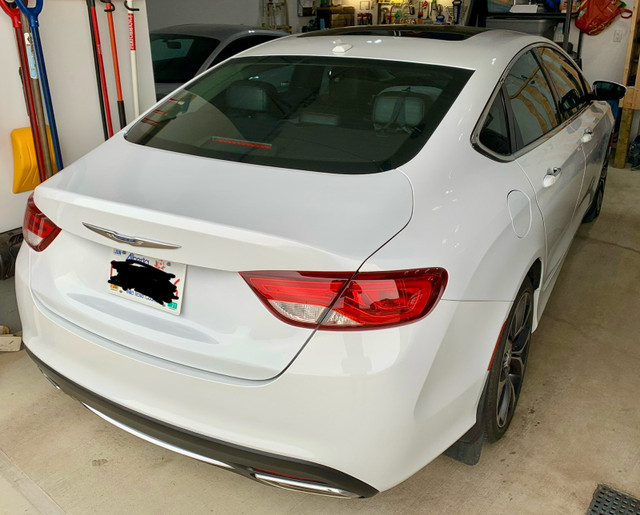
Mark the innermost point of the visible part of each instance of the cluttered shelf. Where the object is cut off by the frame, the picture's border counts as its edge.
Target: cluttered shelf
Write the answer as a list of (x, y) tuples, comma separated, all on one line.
[(533, 16)]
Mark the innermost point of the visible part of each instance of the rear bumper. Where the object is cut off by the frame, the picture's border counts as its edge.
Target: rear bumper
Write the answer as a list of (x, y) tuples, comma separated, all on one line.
[(357, 411), (264, 467)]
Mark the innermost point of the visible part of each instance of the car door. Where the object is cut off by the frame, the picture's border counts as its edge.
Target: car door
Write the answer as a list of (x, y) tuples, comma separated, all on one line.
[(549, 150), (573, 92)]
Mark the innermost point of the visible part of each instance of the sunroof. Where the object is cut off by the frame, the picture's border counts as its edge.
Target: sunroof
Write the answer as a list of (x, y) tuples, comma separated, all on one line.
[(445, 32)]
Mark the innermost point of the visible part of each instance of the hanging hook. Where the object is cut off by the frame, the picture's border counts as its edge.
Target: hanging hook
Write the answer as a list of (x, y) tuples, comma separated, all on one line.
[(132, 9), (110, 7)]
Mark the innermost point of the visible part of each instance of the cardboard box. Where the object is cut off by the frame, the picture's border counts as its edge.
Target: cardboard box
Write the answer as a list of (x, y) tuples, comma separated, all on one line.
[(9, 342)]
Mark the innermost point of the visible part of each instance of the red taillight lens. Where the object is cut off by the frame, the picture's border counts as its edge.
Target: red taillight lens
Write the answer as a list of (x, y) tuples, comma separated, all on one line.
[(37, 229), (339, 301)]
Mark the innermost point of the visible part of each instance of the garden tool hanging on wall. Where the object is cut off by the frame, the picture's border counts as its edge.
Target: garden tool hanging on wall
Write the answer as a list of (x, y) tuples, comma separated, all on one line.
[(32, 154), (116, 64), (32, 14)]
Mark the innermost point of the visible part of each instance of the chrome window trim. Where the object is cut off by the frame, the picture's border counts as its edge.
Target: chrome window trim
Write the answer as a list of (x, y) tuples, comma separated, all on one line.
[(475, 134)]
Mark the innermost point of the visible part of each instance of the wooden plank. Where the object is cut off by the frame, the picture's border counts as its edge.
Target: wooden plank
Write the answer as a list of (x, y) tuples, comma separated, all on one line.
[(631, 100), (628, 101), (622, 148), (630, 41)]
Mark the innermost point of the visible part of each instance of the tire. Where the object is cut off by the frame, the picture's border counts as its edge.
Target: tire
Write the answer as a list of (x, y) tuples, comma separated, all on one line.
[(507, 370), (596, 204)]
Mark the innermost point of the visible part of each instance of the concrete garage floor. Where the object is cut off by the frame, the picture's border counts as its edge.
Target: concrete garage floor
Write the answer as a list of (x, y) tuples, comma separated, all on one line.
[(577, 424)]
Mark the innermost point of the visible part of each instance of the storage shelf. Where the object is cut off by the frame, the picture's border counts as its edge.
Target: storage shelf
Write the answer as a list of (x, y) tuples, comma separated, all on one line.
[(532, 16)]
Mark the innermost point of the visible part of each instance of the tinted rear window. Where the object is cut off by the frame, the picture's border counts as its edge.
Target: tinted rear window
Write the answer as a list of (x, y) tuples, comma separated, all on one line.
[(177, 58), (323, 114)]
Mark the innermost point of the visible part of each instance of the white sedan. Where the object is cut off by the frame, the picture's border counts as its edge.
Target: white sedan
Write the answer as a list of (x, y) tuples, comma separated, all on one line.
[(319, 264)]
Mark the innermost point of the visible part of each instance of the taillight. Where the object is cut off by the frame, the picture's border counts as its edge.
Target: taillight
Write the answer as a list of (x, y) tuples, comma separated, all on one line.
[(342, 300), (37, 229)]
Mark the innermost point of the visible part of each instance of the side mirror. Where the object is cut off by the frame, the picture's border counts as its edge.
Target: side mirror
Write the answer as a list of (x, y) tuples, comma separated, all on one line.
[(605, 90), (570, 101)]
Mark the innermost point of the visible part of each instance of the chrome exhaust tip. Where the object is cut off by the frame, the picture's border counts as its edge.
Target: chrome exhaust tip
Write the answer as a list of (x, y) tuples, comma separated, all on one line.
[(55, 385), (302, 485)]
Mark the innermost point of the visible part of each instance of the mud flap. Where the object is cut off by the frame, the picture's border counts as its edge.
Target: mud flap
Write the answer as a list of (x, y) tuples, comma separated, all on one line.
[(469, 447)]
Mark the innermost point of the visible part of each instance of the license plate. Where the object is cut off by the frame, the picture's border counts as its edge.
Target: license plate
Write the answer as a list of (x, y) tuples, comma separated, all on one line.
[(157, 283)]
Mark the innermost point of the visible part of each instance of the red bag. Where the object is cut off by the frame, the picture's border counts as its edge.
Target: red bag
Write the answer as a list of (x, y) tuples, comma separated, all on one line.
[(596, 15)]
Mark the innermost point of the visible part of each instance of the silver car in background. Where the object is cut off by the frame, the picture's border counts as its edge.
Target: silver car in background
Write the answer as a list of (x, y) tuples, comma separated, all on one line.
[(181, 52)]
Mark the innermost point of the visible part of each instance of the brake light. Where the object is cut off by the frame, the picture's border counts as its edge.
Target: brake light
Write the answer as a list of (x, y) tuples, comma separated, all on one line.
[(37, 229), (342, 300)]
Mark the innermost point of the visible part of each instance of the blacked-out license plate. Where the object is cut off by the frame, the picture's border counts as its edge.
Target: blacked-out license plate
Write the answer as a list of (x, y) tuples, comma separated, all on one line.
[(157, 283)]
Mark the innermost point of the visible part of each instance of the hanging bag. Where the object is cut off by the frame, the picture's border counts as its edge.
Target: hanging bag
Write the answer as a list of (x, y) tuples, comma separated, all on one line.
[(596, 15)]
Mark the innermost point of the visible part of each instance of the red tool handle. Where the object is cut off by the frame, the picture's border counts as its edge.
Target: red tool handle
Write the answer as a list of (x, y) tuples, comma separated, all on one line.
[(116, 64), (103, 80)]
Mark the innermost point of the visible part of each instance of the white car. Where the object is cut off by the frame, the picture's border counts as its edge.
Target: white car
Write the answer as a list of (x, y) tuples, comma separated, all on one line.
[(320, 263)]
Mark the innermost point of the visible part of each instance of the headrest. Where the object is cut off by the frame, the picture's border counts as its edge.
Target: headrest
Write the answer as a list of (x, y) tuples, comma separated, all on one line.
[(251, 95), (398, 109)]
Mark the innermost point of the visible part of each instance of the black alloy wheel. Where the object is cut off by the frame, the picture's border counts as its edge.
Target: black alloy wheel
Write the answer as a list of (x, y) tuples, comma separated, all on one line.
[(509, 364), (596, 204)]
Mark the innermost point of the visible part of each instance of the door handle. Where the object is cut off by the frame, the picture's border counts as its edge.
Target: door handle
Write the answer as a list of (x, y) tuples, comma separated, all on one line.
[(587, 136), (552, 176)]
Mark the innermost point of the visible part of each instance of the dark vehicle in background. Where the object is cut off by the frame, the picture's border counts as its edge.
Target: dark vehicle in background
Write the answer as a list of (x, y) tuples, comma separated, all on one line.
[(181, 52)]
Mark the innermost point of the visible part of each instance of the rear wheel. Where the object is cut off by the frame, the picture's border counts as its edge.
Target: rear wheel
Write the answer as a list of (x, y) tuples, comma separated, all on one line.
[(508, 367), (596, 204)]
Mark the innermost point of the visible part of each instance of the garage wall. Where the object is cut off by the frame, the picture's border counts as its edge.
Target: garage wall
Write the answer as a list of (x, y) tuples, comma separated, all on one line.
[(169, 12), (64, 30)]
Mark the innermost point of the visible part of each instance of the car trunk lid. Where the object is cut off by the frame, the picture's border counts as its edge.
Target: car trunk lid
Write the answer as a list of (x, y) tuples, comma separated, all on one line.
[(221, 218)]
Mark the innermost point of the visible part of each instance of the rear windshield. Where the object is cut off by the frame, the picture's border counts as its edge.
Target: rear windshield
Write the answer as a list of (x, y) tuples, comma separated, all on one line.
[(311, 113), (177, 58)]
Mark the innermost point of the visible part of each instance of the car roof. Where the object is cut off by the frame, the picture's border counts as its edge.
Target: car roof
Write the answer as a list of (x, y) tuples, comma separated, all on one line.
[(216, 30), (444, 32), (463, 47)]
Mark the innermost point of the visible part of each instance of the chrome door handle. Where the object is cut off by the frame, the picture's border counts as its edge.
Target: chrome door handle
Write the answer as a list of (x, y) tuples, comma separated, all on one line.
[(552, 176), (587, 136)]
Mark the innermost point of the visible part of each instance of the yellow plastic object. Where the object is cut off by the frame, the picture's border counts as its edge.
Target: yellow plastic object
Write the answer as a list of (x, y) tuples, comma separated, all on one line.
[(25, 165)]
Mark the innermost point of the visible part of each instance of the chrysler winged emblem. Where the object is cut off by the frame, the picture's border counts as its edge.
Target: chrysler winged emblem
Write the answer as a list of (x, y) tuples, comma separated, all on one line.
[(130, 240)]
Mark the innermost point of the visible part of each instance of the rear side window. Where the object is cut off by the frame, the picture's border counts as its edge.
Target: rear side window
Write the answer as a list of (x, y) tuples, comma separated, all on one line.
[(177, 58), (311, 113), (532, 102), (566, 79), (494, 134)]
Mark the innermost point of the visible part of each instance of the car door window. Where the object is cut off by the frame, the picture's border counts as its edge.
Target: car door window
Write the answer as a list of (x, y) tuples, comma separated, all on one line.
[(532, 102), (177, 58), (494, 134), (567, 80)]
